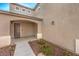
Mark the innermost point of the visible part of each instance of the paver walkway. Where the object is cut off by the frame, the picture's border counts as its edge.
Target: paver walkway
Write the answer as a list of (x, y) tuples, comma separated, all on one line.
[(23, 49)]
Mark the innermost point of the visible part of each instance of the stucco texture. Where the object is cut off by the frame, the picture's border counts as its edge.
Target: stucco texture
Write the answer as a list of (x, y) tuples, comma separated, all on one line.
[(65, 29)]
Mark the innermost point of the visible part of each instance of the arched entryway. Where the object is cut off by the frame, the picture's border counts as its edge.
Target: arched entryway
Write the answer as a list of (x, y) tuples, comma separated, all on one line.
[(25, 28)]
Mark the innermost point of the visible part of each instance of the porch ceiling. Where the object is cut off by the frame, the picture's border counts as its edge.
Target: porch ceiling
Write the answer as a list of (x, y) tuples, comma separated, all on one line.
[(22, 21)]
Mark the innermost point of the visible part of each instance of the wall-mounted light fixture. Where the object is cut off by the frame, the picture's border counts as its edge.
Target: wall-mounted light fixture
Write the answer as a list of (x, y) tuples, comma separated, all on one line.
[(52, 22)]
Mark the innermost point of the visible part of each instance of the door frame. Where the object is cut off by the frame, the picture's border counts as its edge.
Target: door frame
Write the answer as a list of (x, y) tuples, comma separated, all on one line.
[(16, 34)]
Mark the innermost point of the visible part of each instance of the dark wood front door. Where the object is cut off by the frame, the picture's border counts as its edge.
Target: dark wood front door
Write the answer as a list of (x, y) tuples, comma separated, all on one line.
[(17, 30)]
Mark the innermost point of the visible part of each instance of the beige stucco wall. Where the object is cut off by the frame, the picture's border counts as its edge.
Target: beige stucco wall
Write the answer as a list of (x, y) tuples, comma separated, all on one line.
[(5, 34), (64, 31), (27, 29), (4, 30), (66, 24)]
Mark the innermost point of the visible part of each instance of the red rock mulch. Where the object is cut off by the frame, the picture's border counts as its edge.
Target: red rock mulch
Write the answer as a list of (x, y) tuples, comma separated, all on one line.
[(34, 45), (57, 51), (7, 51)]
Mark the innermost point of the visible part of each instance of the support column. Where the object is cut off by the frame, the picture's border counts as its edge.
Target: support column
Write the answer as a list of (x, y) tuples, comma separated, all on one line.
[(39, 30)]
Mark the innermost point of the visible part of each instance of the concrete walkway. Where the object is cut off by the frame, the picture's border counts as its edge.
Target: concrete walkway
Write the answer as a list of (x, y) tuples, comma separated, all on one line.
[(23, 49)]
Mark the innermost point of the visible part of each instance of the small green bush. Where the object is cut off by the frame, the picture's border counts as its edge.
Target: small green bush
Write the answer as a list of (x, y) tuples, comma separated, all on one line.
[(44, 47), (12, 48), (46, 50)]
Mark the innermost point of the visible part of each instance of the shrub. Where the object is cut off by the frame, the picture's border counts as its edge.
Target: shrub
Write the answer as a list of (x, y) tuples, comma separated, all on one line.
[(44, 47), (46, 50)]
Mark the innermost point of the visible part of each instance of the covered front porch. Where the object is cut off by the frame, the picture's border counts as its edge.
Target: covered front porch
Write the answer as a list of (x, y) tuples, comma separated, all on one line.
[(15, 27), (25, 29)]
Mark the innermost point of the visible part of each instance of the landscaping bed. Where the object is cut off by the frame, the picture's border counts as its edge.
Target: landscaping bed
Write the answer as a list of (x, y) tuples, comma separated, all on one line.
[(49, 49), (8, 50)]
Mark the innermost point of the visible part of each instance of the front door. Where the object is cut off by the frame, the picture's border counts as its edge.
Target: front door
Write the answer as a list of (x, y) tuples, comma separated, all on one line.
[(17, 30)]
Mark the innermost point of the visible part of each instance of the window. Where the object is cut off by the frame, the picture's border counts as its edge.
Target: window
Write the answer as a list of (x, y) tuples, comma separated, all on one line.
[(17, 8), (23, 9), (29, 11)]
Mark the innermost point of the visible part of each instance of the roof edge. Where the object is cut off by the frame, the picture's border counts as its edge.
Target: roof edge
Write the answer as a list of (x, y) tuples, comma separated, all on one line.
[(20, 15), (26, 6), (36, 6)]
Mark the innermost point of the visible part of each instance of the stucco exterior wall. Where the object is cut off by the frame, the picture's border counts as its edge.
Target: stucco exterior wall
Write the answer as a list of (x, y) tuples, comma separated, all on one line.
[(65, 29), (27, 29), (5, 24), (63, 32), (4, 30)]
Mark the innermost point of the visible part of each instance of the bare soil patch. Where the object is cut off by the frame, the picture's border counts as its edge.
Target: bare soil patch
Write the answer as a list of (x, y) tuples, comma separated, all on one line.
[(8, 50), (56, 50)]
